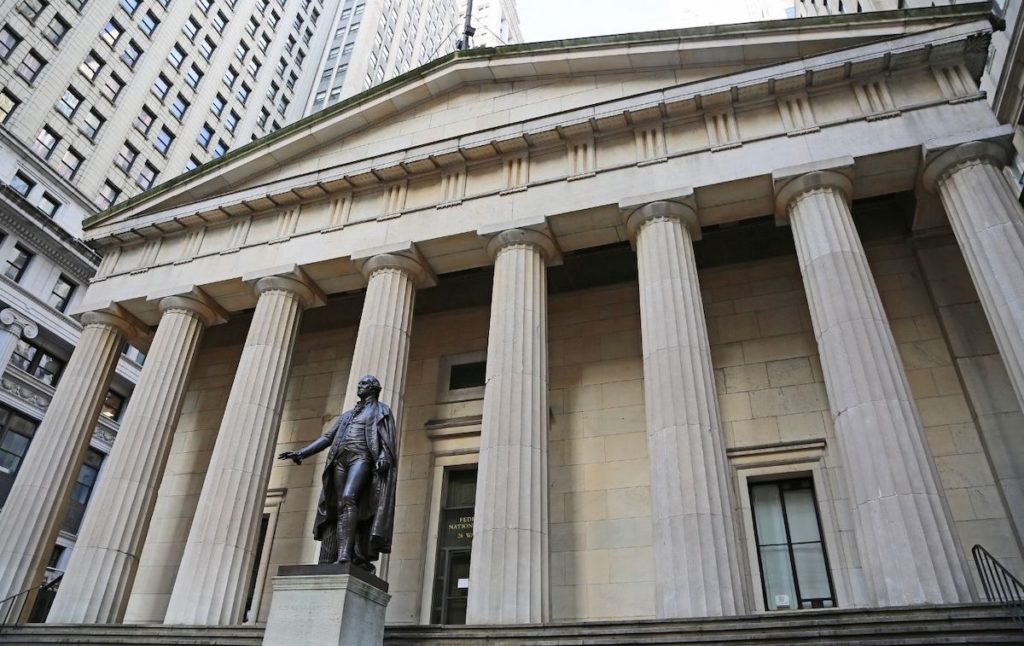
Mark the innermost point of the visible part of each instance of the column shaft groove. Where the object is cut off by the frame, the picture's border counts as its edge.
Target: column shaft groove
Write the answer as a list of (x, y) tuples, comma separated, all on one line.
[(98, 580), (908, 548), (696, 571), (210, 585), (509, 568), (988, 223), (39, 497)]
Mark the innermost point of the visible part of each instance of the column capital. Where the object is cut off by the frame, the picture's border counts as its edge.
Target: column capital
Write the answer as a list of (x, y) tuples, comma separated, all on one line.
[(940, 163), (404, 257), (286, 278), (114, 315), (17, 323), (192, 299), (682, 209), (796, 181), (534, 234)]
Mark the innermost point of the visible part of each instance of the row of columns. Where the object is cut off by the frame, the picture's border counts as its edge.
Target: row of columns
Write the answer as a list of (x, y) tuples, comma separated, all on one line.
[(907, 545)]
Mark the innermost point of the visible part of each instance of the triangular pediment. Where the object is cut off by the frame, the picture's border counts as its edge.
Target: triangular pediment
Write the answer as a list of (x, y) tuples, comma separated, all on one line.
[(493, 100)]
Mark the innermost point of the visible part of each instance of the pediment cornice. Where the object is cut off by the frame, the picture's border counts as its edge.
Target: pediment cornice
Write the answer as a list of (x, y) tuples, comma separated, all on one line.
[(735, 92)]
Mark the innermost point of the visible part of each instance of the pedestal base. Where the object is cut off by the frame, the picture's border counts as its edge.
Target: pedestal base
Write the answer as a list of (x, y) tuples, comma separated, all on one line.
[(326, 605)]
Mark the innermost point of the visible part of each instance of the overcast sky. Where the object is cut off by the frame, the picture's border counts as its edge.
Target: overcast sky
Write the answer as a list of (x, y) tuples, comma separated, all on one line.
[(555, 19)]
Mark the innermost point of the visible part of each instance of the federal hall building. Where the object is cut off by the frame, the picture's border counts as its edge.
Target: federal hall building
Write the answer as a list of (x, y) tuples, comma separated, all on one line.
[(699, 323)]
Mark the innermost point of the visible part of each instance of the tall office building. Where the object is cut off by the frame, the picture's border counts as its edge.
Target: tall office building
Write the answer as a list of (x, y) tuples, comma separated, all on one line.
[(496, 22), (375, 40), (119, 95)]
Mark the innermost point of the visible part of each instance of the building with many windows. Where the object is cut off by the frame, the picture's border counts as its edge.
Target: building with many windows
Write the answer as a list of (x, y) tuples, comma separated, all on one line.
[(372, 41), (496, 23)]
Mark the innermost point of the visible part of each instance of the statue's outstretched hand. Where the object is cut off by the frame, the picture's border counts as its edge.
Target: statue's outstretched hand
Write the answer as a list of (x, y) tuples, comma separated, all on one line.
[(383, 465), (294, 456)]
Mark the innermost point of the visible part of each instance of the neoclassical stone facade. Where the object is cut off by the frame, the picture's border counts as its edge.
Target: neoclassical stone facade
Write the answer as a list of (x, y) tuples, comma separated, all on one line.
[(633, 287)]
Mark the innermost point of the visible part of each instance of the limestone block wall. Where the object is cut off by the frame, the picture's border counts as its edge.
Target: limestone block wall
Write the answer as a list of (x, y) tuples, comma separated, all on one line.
[(422, 459), (991, 399), (600, 501)]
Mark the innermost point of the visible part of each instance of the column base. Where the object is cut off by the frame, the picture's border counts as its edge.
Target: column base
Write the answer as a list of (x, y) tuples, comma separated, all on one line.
[(326, 605)]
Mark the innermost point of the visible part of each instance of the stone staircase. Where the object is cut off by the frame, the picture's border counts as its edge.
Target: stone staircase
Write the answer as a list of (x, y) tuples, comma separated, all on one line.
[(959, 624)]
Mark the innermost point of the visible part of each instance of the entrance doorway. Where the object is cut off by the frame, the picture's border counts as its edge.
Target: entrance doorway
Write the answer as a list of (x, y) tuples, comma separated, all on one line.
[(455, 539)]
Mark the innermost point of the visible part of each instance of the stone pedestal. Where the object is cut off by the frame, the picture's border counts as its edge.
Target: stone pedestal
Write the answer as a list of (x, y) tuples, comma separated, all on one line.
[(326, 605)]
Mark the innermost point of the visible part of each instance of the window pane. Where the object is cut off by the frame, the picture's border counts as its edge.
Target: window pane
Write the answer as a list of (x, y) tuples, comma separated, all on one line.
[(802, 517), (778, 579), (811, 571), (771, 528), (14, 443)]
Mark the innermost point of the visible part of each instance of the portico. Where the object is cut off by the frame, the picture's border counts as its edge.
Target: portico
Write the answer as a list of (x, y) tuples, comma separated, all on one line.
[(627, 408)]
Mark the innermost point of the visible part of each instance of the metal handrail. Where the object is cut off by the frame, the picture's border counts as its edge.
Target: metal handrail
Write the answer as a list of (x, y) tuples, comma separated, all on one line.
[(14, 597), (1000, 585)]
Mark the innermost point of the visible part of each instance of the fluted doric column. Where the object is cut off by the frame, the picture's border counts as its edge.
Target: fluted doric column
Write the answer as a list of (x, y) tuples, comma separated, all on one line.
[(98, 580), (13, 327), (906, 542), (385, 326), (509, 569), (38, 500), (696, 571), (988, 223), (210, 586)]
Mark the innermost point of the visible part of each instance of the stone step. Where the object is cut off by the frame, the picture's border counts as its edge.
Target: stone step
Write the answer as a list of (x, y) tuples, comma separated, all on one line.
[(959, 624), (962, 624)]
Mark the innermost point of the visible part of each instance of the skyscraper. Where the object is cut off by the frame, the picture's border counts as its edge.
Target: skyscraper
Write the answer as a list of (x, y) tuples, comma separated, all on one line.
[(119, 95)]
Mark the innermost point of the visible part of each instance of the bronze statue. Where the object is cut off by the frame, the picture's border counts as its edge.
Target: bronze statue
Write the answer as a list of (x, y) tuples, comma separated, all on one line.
[(356, 512)]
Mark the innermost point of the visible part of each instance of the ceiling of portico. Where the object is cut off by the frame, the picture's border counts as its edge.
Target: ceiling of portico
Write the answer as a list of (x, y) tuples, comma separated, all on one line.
[(482, 103)]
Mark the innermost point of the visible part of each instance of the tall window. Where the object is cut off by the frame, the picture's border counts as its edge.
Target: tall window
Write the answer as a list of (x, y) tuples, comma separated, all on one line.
[(18, 263), (145, 120), (31, 65), (161, 86), (190, 28), (45, 143), (131, 54), (790, 551), (176, 56), (147, 175), (9, 40), (126, 157), (22, 184), (48, 204), (179, 106), (130, 6), (91, 66), (149, 23), (57, 29), (111, 32), (91, 125), (69, 102), (8, 102), (82, 490), (113, 404), (194, 76), (16, 433), (112, 88), (61, 293), (32, 8), (108, 194), (454, 540), (163, 142), (70, 163), (37, 362)]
